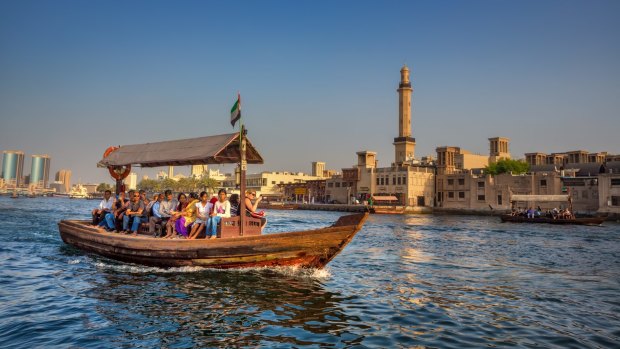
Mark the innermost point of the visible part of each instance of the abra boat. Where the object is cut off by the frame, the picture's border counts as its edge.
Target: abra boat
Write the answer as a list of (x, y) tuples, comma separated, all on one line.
[(240, 242), (577, 221), (532, 200), (308, 249)]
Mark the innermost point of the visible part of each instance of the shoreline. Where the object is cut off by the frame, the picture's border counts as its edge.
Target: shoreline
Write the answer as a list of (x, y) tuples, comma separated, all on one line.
[(399, 210)]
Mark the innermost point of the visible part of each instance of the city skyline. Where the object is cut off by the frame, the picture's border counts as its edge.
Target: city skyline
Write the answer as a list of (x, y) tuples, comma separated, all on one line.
[(80, 77)]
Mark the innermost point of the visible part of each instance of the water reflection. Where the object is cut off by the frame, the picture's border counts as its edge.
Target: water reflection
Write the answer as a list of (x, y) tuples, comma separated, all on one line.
[(404, 281), (226, 308)]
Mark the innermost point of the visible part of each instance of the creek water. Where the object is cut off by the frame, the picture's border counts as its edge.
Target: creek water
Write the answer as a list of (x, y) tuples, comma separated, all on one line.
[(404, 281)]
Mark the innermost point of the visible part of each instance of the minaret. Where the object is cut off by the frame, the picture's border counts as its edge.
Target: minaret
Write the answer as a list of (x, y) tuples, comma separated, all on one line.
[(404, 144)]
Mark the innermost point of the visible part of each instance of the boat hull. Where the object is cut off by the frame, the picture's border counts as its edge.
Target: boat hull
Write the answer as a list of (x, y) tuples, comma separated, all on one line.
[(574, 221), (308, 249)]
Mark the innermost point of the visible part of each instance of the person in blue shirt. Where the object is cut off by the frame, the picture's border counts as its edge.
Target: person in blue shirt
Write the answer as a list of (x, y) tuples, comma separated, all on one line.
[(156, 217)]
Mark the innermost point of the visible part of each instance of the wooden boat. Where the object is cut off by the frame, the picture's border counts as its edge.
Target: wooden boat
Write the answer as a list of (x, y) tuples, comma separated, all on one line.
[(388, 209), (532, 200), (241, 243), (577, 221), (308, 249)]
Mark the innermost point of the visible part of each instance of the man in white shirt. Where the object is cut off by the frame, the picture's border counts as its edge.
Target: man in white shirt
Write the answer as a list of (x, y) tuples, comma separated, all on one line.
[(104, 207)]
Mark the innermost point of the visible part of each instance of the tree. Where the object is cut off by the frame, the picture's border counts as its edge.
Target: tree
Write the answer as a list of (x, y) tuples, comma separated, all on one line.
[(148, 185), (507, 166), (207, 184), (102, 187), (168, 183)]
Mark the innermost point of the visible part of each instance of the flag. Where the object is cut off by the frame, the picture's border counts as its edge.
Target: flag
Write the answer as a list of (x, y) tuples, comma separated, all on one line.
[(235, 112)]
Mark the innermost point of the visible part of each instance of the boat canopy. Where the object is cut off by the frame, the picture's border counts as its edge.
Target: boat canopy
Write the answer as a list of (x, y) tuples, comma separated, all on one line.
[(384, 198), (220, 149), (540, 198)]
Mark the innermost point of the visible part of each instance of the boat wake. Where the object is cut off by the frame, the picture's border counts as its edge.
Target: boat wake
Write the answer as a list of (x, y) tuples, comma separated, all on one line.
[(290, 271)]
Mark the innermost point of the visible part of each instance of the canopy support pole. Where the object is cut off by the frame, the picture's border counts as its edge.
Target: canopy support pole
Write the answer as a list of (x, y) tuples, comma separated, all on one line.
[(243, 164)]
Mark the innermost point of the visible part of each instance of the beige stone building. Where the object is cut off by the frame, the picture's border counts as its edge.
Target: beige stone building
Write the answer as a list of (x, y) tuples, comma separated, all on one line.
[(268, 184), (570, 157), (609, 193), (318, 168), (498, 149), (412, 182), (475, 190), (454, 159)]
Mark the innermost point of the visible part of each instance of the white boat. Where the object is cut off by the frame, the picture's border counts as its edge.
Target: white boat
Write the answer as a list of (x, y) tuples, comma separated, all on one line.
[(78, 192)]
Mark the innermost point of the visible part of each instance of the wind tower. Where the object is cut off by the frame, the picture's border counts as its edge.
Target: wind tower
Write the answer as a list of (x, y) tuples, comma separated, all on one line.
[(404, 144), (498, 149)]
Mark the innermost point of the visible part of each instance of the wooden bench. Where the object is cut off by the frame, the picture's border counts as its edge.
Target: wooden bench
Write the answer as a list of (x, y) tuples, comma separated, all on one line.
[(229, 227)]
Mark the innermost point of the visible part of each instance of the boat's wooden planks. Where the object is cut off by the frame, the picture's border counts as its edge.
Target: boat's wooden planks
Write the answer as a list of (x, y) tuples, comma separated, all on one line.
[(574, 221), (313, 248)]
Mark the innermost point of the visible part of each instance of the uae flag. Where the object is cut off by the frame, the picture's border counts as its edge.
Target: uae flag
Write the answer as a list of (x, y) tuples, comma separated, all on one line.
[(235, 112)]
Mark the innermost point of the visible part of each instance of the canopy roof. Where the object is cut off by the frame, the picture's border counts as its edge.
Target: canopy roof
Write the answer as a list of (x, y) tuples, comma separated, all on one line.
[(384, 198), (540, 198), (221, 149)]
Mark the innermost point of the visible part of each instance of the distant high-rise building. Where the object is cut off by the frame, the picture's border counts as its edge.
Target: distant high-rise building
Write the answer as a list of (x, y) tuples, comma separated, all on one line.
[(13, 168), (64, 176), (199, 171), (40, 171), (318, 168), (170, 172), (132, 181)]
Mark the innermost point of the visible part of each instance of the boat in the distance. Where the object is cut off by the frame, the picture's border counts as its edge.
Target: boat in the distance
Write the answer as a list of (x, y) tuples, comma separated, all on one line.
[(532, 200), (78, 192), (577, 221), (240, 242)]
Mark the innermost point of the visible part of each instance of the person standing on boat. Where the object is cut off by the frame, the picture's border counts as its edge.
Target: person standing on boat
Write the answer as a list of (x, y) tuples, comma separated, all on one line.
[(252, 207), (135, 211), (221, 209), (104, 207), (202, 213)]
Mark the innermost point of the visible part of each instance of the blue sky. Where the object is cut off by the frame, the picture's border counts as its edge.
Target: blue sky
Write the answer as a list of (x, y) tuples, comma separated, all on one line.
[(318, 79)]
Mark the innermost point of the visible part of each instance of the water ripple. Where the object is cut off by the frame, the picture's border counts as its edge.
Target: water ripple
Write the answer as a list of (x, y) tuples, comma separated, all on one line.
[(404, 281)]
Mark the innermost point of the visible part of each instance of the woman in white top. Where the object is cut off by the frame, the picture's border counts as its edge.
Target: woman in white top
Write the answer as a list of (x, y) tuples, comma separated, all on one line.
[(220, 209), (202, 213)]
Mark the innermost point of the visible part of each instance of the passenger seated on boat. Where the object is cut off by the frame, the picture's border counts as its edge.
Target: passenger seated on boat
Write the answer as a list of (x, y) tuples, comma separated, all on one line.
[(188, 216), (167, 205), (530, 213), (202, 212), (250, 207), (567, 214), (143, 197), (114, 220), (135, 213), (221, 209), (156, 217), (175, 214), (104, 207), (234, 205), (149, 205)]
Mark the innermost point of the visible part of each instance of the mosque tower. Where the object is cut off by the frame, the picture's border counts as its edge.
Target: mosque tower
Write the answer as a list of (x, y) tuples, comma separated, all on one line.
[(404, 144)]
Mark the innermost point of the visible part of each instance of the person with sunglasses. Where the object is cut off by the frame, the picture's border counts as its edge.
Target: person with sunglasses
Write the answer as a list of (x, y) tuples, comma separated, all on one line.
[(251, 208), (135, 212)]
